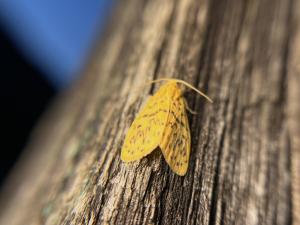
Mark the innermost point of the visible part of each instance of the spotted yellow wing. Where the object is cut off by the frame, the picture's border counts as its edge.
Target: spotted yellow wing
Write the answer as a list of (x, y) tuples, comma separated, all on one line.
[(176, 142), (146, 131)]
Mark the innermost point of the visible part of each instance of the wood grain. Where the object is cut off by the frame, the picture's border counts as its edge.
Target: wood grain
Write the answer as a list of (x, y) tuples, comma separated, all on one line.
[(245, 159)]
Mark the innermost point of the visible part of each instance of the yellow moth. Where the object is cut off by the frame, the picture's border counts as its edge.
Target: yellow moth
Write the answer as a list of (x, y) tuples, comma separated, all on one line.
[(162, 123)]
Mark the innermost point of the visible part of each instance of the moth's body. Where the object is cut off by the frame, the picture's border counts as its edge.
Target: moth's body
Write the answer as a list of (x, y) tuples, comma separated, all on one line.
[(161, 123)]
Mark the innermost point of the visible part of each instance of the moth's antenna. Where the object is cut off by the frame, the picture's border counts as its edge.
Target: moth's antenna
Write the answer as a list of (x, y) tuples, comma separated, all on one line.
[(182, 82)]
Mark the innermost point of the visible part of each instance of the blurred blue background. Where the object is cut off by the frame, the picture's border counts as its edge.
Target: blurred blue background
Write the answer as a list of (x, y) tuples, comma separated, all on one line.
[(55, 35), (44, 45)]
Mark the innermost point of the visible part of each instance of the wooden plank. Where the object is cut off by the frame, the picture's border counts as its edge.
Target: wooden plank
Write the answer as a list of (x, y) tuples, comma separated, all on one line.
[(245, 159)]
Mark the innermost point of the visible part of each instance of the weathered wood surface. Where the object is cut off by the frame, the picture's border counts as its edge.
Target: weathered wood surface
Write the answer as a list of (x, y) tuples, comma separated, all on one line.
[(245, 160)]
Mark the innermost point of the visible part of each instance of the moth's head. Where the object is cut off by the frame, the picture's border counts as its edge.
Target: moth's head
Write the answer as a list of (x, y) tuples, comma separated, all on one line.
[(173, 89), (171, 85)]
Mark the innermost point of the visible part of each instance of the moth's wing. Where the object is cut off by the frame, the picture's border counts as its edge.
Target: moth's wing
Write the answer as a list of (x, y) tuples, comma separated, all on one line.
[(146, 131), (176, 142)]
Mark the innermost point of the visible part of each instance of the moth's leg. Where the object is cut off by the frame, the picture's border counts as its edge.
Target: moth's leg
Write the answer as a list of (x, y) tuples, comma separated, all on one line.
[(188, 108)]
